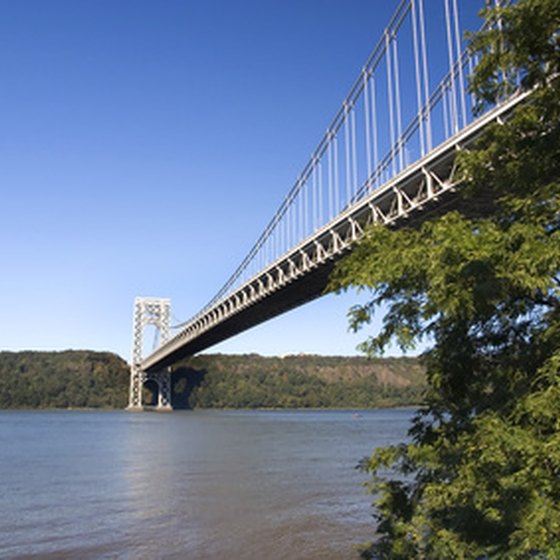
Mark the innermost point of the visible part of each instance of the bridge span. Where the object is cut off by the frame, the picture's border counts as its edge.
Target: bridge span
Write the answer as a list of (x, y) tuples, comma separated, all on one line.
[(427, 188), (368, 168)]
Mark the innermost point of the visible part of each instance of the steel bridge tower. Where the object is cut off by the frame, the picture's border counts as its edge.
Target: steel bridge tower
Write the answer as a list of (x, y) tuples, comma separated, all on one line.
[(157, 312)]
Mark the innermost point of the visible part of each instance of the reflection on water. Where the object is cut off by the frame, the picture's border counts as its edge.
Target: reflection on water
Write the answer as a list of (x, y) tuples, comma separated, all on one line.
[(192, 485)]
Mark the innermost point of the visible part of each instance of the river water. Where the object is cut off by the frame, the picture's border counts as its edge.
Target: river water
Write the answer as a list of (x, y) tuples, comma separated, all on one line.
[(194, 485)]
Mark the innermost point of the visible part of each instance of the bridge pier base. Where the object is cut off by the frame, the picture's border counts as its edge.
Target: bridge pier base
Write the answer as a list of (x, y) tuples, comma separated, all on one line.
[(163, 379), (137, 380), (135, 391)]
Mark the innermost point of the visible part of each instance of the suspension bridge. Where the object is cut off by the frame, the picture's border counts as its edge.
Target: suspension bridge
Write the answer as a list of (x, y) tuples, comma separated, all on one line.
[(388, 157)]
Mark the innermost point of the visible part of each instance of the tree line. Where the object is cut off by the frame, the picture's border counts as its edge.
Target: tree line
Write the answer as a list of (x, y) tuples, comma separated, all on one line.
[(303, 381), (87, 379), (69, 379)]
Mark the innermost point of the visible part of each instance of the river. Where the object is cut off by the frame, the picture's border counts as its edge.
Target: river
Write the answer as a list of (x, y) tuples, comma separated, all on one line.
[(193, 485)]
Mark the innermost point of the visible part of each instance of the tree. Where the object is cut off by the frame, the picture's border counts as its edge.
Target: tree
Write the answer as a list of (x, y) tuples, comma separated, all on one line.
[(480, 476)]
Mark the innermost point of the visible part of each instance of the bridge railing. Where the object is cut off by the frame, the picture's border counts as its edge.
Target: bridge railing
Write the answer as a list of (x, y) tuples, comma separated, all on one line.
[(410, 96)]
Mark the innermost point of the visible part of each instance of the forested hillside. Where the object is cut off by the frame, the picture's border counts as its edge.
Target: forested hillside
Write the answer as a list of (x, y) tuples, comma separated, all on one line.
[(298, 381), (100, 380), (63, 379)]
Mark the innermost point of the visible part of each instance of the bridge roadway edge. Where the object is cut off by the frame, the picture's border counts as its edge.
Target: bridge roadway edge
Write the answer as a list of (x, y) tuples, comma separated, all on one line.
[(282, 300)]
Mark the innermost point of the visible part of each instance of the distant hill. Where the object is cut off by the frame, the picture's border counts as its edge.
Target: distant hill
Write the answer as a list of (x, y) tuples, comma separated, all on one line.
[(297, 381), (87, 379), (73, 378)]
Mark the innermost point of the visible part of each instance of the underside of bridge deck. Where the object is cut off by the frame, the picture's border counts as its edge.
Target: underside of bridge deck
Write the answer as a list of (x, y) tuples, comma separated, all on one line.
[(290, 296)]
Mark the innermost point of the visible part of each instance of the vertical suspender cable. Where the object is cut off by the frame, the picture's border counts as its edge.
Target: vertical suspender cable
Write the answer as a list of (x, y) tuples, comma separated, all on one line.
[(271, 240), (295, 224), (445, 109), (283, 225), (425, 75), (418, 78), (285, 229), (306, 216), (299, 234), (293, 229), (329, 175), (400, 145), (368, 132), (354, 152), (275, 239), (314, 201), (288, 226), (347, 154), (374, 126), (336, 176), (280, 234), (285, 222), (293, 234), (320, 181), (317, 193), (301, 219), (453, 100), (459, 62), (274, 242), (390, 101), (302, 209)]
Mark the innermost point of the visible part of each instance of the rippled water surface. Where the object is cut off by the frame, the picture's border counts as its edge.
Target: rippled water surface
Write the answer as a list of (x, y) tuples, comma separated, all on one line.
[(232, 485)]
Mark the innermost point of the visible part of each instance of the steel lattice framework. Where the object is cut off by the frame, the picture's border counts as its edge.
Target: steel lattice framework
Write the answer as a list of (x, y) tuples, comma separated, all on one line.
[(157, 312), (388, 157)]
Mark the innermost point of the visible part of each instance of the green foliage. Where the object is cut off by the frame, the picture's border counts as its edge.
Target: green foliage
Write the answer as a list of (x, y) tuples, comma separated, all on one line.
[(521, 41), (63, 380), (76, 379), (252, 381), (481, 476)]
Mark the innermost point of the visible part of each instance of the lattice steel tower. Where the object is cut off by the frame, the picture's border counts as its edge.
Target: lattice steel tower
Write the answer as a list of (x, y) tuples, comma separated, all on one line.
[(157, 312)]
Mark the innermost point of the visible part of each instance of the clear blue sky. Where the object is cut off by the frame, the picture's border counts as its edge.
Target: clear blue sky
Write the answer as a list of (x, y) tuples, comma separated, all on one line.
[(144, 145)]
